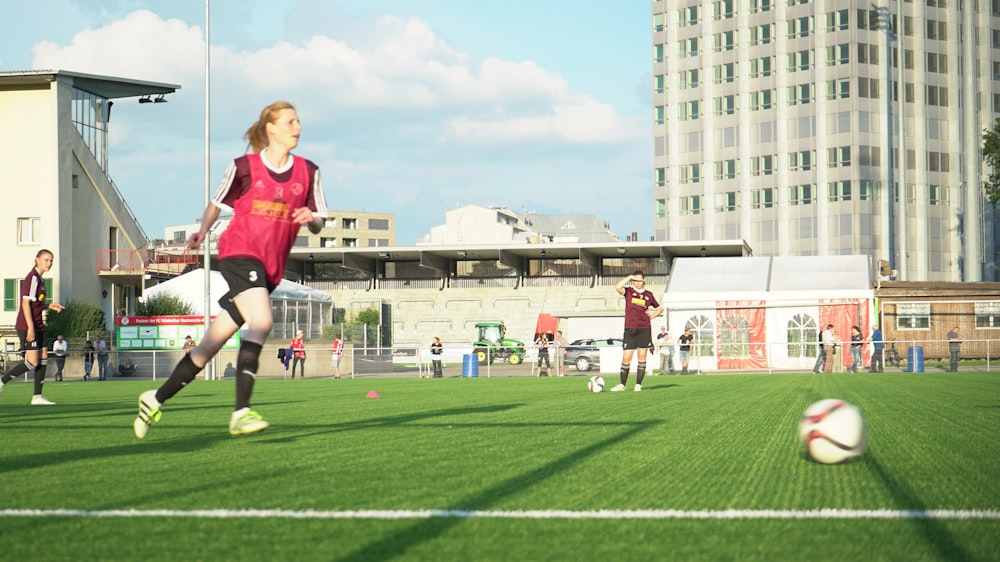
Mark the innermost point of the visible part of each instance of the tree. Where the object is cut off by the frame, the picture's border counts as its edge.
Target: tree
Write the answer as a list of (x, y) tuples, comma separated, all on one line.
[(77, 320), (163, 304), (991, 153)]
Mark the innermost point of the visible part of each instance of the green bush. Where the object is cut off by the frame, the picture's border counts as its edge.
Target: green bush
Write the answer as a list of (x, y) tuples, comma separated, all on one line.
[(75, 321), (164, 304)]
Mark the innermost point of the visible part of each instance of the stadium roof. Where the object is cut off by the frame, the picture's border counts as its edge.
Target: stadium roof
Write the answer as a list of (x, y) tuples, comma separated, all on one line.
[(108, 87), (514, 255)]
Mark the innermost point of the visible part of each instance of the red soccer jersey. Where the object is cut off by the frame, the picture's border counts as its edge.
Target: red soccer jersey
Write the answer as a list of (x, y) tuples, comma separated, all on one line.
[(263, 201), (636, 304), (32, 295), (298, 347)]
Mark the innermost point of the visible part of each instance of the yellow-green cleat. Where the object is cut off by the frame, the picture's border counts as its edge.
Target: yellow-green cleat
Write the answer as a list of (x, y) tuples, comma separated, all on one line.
[(246, 422), (149, 412)]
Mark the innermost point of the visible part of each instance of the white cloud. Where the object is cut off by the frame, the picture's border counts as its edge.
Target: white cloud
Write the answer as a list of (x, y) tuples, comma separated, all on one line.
[(393, 113)]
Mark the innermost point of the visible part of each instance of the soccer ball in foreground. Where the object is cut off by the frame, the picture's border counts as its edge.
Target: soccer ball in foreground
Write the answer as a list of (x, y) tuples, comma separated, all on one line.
[(833, 431), (595, 384)]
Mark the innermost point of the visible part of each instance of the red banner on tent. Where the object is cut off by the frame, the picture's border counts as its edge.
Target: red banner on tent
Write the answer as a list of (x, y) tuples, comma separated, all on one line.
[(741, 334)]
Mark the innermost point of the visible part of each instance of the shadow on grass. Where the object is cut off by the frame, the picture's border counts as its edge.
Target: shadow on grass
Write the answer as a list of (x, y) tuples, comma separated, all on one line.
[(932, 530), (399, 543)]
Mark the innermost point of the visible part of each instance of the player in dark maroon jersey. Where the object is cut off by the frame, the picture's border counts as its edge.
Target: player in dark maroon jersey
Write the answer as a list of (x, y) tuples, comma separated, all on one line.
[(272, 193), (31, 328), (640, 308)]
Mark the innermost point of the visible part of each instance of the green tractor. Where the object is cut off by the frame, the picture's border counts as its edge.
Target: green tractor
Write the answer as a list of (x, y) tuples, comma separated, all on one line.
[(492, 344)]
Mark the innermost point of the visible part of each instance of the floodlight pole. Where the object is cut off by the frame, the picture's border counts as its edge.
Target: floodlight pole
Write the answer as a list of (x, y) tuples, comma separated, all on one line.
[(207, 316)]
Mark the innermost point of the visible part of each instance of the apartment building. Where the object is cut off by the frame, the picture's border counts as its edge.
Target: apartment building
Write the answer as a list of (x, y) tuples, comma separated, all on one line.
[(777, 122)]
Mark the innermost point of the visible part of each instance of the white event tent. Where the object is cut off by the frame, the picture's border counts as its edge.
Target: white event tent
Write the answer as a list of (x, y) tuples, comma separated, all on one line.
[(767, 312)]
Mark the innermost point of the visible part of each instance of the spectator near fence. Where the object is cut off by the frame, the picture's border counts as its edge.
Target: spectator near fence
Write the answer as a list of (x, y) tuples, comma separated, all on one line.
[(954, 348), (298, 347), (878, 347), (335, 353)]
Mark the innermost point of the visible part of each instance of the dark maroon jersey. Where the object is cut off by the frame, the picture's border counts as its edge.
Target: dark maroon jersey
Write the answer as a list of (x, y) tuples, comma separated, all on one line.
[(262, 201), (32, 295), (636, 304)]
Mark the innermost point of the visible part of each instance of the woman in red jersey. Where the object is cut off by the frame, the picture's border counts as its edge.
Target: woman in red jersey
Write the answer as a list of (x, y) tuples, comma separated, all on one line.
[(271, 193), (31, 328)]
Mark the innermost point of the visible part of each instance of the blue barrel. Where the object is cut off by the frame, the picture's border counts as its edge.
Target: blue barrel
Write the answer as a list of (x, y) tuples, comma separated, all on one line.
[(915, 359), (470, 365)]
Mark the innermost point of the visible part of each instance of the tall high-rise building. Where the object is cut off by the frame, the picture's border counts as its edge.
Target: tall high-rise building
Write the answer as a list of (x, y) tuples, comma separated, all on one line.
[(777, 121)]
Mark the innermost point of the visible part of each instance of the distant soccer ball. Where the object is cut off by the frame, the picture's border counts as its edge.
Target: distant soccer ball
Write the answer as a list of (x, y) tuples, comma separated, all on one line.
[(833, 431), (595, 384)]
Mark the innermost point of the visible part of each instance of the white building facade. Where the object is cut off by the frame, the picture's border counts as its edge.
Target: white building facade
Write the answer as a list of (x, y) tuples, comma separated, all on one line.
[(776, 122)]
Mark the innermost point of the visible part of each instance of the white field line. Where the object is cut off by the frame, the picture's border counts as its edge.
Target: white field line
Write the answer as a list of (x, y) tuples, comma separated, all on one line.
[(520, 514)]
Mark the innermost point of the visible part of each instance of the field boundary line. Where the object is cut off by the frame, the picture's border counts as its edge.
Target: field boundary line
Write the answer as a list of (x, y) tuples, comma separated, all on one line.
[(514, 514)]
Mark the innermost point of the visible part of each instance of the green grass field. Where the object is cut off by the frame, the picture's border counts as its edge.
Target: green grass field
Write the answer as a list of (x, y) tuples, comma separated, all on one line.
[(523, 466)]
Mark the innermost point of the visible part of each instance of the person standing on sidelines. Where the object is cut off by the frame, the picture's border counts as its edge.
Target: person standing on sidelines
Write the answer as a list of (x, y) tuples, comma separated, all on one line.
[(542, 342), (31, 328), (665, 347), (102, 358), (857, 340), (335, 353), (298, 347), (272, 193), (685, 341), (640, 307), (878, 346), (559, 349), (954, 349), (436, 350), (60, 348), (88, 359)]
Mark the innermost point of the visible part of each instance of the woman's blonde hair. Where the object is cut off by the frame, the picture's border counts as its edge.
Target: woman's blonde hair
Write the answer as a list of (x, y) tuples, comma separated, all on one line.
[(256, 135)]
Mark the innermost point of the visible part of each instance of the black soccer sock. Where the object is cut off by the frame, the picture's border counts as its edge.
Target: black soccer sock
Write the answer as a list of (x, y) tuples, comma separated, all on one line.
[(15, 371), (247, 361), (640, 372), (623, 375), (184, 372), (39, 377)]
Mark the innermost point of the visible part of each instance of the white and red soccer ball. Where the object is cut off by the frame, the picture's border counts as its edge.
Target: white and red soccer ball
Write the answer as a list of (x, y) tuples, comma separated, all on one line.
[(832, 431)]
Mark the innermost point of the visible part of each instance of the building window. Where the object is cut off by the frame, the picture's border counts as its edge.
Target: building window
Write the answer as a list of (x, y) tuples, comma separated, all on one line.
[(659, 84), (869, 156), (690, 16), (800, 95), (762, 165), (866, 190), (661, 208), (690, 111), (658, 52), (838, 89), (867, 54), (725, 105), (987, 314), (762, 34), (937, 96), (328, 242), (802, 194), (764, 99), (838, 54), (350, 242), (690, 205), (802, 160), (839, 191), (659, 22), (723, 9), (725, 41), (725, 73), (689, 47), (838, 20), (689, 79), (764, 6), (913, 316), (659, 115), (349, 224), (803, 333), (377, 242), (838, 156), (764, 198), (29, 231), (800, 60), (725, 169), (660, 177), (800, 27), (868, 87), (378, 224), (727, 202), (761, 67), (690, 173)]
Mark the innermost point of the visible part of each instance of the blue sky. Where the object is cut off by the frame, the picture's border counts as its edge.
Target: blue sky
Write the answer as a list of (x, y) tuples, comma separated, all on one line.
[(409, 107)]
